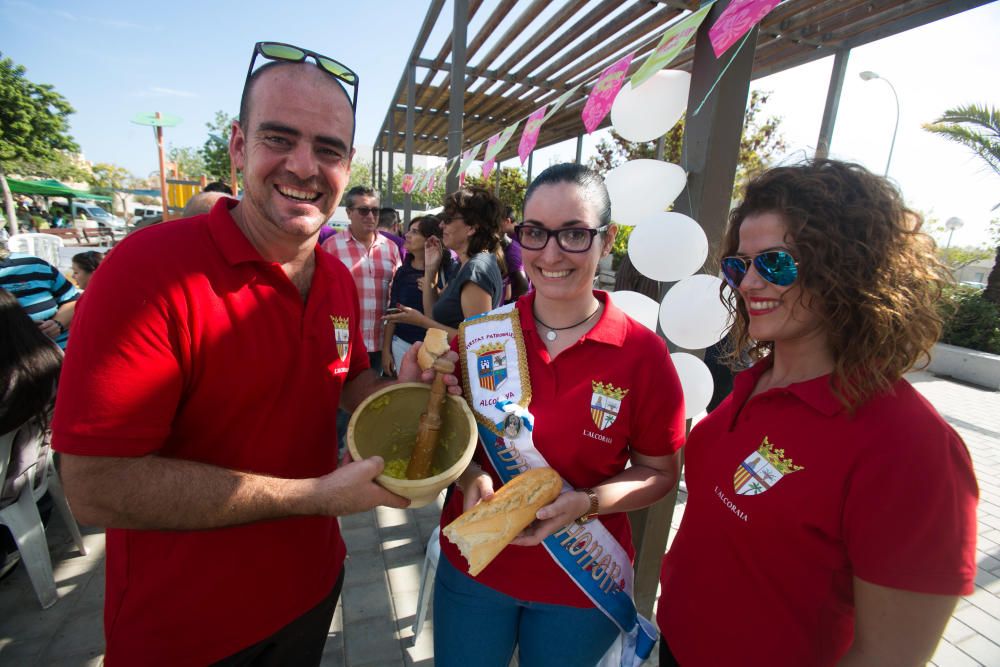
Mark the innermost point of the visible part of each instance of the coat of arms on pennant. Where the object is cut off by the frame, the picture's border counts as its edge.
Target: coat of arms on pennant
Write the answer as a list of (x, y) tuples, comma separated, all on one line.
[(760, 471), (492, 362), (342, 334), (605, 403)]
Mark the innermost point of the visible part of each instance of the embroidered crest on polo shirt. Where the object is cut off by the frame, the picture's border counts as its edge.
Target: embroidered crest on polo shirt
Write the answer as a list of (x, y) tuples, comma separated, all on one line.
[(605, 403), (762, 469), (491, 360), (341, 334)]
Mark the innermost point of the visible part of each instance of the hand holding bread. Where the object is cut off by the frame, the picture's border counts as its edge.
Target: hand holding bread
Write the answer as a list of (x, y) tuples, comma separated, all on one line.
[(432, 353), (482, 532), (408, 369)]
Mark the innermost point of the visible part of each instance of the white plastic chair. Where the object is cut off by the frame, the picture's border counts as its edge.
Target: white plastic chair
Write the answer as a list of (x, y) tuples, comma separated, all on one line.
[(45, 246), (22, 517), (427, 581)]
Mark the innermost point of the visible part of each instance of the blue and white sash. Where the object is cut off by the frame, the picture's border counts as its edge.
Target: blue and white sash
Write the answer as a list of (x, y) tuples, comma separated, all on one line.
[(495, 375)]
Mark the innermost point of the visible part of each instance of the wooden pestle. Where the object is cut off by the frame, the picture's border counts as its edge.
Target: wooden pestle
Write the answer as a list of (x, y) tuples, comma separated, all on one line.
[(429, 430)]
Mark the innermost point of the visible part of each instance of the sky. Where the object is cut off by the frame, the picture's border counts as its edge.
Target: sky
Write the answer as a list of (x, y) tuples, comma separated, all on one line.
[(113, 61)]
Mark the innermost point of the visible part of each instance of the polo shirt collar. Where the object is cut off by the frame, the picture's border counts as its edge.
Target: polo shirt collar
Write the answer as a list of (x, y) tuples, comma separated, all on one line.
[(610, 328), (231, 242), (816, 393)]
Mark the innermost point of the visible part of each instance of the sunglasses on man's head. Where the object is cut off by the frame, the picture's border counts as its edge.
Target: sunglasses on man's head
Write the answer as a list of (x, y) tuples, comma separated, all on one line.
[(777, 267), (294, 54)]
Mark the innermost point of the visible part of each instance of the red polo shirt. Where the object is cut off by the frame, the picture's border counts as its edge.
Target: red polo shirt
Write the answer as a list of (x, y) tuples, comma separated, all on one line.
[(789, 499), (619, 352), (189, 345)]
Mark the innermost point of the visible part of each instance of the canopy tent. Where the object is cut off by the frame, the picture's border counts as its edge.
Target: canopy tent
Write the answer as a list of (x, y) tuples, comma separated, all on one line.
[(51, 188)]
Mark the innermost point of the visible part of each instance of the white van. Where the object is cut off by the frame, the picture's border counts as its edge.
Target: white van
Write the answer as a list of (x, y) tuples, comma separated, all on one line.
[(93, 213), (140, 211)]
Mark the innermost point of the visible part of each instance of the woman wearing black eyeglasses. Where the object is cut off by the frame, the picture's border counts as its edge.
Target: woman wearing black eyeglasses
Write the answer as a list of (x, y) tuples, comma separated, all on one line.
[(593, 391), (830, 516)]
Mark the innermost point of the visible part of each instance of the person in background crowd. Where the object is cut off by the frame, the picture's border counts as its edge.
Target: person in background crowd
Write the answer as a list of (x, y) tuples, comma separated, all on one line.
[(218, 186), (29, 370), (84, 265), (607, 414), (407, 290), (389, 227), (471, 227), (202, 202), (515, 283), (372, 260), (827, 499), (43, 292), (58, 217), (196, 409)]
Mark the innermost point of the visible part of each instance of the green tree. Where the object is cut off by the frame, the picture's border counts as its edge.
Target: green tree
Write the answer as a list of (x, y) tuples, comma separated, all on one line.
[(978, 129), (33, 126), (61, 165), (189, 162), (760, 143), (513, 185), (361, 174), (110, 179), (955, 258), (420, 200), (215, 152)]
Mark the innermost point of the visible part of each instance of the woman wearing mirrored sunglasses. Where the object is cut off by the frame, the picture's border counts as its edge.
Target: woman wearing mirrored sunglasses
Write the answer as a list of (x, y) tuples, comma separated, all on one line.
[(830, 517), (607, 414)]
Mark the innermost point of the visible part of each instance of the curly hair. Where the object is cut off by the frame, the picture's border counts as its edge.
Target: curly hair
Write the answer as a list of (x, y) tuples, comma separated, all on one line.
[(861, 253), (481, 211)]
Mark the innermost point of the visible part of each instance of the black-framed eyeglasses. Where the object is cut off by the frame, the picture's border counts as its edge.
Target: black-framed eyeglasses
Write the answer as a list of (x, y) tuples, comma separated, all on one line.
[(777, 267), (296, 54), (570, 239), (364, 210)]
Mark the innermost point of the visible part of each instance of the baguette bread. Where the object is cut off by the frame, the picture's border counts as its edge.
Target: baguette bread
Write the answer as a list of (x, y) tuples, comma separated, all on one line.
[(435, 345), (482, 532)]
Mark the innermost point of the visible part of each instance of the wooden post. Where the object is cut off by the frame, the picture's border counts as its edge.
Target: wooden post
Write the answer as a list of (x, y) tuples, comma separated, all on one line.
[(711, 149), (163, 170)]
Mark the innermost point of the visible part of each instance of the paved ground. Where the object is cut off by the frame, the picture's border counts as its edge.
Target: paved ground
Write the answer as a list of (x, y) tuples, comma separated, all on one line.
[(384, 572)]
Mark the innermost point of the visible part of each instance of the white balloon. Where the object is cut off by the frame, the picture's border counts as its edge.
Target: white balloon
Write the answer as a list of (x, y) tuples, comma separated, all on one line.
[(649, 111), (640, 188), (691, 315), (668, 247), (637, 306), (696, 381)]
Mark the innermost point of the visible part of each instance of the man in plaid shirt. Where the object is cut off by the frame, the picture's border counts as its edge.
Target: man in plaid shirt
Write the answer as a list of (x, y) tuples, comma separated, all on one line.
[(372, 259)]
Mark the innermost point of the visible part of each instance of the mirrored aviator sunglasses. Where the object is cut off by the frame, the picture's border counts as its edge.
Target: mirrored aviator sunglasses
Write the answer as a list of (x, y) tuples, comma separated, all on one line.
[(777, 267), (295, 54)]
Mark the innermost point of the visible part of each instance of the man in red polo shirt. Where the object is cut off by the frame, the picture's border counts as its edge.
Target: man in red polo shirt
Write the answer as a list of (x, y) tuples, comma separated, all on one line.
[(197, 416)]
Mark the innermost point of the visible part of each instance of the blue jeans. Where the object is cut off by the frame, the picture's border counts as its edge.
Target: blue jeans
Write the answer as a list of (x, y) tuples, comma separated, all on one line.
[(476, 625)]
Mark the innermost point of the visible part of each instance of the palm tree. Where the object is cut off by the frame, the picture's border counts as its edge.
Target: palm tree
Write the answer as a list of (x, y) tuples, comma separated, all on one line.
[(978, 129)]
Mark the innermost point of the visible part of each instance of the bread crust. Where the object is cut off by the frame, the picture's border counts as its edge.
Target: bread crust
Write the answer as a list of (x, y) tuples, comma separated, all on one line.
[(435, 344), (482, 532)]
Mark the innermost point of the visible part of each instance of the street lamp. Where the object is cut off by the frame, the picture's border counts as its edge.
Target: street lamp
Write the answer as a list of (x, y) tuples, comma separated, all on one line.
[(951, 224), (868, 76)]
